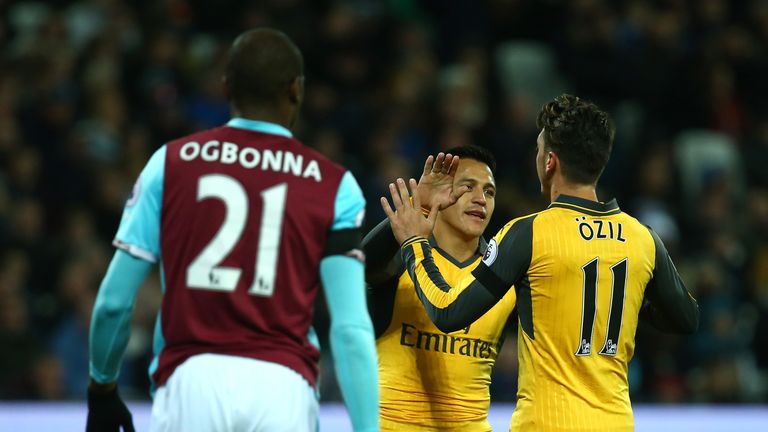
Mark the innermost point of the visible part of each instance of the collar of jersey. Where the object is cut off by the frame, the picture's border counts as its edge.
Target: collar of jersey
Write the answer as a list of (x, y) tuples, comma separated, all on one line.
[(259, 126), (590, 207), (481, 246)]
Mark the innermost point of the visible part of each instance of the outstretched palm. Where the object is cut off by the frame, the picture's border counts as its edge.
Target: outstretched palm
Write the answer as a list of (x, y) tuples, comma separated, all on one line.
[(435, 188), (406, 219)]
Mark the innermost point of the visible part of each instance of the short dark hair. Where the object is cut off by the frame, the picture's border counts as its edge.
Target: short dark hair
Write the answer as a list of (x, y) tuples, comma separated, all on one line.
[(474, 152), (261, 64), (581, 135)]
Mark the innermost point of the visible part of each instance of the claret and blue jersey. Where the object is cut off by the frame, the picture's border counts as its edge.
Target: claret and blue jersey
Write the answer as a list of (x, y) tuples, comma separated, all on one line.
[(239, 218)]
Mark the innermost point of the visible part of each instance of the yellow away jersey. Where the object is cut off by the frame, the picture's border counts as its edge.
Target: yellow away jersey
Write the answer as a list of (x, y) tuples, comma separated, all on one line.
[(586, 283), (581, 270), (430, 380)]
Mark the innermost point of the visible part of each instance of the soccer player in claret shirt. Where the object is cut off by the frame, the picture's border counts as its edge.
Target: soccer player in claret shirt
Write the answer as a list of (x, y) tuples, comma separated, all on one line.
[(584, 272), (246, 223), (430, 380)]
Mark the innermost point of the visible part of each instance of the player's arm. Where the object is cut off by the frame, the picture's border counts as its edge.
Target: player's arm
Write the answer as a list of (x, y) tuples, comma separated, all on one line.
[(351, 333), (138, 243), (668, 305), (383, 267), (112, 313), (452, 308), (381, 253), (109, 333)]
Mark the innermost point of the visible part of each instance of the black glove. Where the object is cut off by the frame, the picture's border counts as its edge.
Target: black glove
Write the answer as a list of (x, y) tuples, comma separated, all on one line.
[(107, 412)]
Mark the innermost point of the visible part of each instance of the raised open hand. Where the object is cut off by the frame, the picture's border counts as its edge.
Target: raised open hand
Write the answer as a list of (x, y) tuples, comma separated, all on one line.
[(406, 219), (435, 188)]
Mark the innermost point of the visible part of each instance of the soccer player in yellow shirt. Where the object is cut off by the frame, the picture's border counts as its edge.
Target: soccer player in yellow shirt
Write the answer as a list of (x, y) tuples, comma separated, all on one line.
[(431, 380), (584, 273)]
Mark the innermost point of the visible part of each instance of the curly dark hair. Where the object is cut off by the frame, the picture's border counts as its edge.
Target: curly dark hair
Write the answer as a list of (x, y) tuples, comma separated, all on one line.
[(475, 152), (581, 135)]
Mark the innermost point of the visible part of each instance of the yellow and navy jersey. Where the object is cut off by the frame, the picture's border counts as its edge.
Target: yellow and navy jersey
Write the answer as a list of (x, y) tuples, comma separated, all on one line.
[(584, 272), (429, 380)]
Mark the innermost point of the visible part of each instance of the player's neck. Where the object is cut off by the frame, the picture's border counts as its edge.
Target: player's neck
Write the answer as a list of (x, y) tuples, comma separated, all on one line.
[(587, 192), (262, 114), (454, 243)]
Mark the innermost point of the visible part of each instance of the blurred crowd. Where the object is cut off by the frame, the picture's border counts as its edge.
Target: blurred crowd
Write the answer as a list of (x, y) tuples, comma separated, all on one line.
[(90, 88)]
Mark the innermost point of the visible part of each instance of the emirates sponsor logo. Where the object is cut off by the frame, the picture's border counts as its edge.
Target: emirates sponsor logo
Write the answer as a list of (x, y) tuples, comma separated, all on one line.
[(411, 336)]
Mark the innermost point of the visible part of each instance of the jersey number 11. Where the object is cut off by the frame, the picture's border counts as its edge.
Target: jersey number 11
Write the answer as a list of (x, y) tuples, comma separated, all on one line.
[(589, 307)]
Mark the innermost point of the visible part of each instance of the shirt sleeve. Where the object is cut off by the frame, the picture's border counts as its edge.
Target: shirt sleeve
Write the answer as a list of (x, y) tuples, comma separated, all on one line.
[(112, 315), (382, 262), (351, 333), (139, 231), (349, 211), (383, 267), (505, 262), (352, 340), (668, 305)]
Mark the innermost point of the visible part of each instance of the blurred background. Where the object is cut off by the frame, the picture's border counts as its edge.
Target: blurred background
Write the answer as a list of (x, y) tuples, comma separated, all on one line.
[(89, 89)]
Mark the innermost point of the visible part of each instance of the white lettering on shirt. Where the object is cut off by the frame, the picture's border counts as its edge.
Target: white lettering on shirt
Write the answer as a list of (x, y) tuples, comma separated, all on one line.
[(248, 157)]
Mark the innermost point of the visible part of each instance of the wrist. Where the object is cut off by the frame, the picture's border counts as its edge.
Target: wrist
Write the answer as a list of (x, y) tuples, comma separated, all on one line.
[(99, 388), (411, 240)]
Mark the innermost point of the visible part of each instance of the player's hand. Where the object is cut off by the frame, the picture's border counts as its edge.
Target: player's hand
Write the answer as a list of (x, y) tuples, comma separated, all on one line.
[(106, 411), (435, 188), (406, 219)]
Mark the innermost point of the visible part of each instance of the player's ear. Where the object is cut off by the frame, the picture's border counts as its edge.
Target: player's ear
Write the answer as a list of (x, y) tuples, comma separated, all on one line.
[(296, 90), (552, 162)]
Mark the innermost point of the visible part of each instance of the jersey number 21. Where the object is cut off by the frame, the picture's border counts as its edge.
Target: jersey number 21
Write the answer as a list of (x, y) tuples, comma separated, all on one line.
[(204, 272)]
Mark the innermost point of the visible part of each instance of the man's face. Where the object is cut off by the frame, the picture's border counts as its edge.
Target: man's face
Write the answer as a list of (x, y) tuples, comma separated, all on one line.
[(541, 166), (472, 212)]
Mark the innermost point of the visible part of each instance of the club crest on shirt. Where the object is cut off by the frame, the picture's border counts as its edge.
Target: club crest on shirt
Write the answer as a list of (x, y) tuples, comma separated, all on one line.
[(491, 252), (135, 192)]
